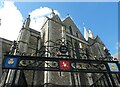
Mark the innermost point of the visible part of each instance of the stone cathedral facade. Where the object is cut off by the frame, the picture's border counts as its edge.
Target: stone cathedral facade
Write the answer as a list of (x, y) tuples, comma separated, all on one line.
[(46, 43)]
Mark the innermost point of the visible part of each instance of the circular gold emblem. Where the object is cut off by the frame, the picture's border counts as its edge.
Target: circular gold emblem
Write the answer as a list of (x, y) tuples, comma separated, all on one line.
[(11, 61), (113, 67)]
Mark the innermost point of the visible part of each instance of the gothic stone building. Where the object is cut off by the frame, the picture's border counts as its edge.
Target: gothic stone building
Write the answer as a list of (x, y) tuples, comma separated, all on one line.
[(46, 43)]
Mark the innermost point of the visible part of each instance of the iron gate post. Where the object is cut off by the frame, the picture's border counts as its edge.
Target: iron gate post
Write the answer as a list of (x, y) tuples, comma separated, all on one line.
[(110, 75)]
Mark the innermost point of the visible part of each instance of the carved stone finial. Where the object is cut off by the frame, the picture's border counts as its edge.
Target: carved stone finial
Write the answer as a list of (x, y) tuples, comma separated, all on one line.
[(23, 25), (53, 13), (27, 23)]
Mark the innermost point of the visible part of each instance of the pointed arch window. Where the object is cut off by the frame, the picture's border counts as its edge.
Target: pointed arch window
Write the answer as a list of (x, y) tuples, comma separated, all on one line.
[(70, 30), (77, 35), (77, 49)]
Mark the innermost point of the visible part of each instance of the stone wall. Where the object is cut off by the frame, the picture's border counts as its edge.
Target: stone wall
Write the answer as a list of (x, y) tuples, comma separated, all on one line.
[(5, 46)]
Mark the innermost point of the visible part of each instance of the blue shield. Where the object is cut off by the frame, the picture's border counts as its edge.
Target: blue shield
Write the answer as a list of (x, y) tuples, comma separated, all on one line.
[(113, 67), (10, 62)]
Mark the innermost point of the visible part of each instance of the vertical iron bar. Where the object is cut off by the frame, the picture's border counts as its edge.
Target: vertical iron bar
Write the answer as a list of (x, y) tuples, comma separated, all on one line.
[(33, 78), (110, 75), (100, 82), (108, 80), (112, 79), (35, 62), (14, 77), (5, 78), (117, 76), (72, 74), (104, 81)]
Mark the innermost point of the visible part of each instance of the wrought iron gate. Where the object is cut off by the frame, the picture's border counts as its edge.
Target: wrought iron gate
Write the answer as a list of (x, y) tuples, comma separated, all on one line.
[(109, 70)]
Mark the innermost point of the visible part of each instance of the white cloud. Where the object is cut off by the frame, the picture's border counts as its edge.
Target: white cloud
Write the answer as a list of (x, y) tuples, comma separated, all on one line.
[(116, 55), (118, 45), (11, 21), (37, 17)]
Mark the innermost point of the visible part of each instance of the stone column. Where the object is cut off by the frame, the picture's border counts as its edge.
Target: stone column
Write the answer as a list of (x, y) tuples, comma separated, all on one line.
[(0, 57), (23, 40), (24, 37)]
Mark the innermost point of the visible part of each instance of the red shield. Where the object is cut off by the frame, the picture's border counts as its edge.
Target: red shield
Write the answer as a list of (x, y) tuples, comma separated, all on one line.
[(65, 65)]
